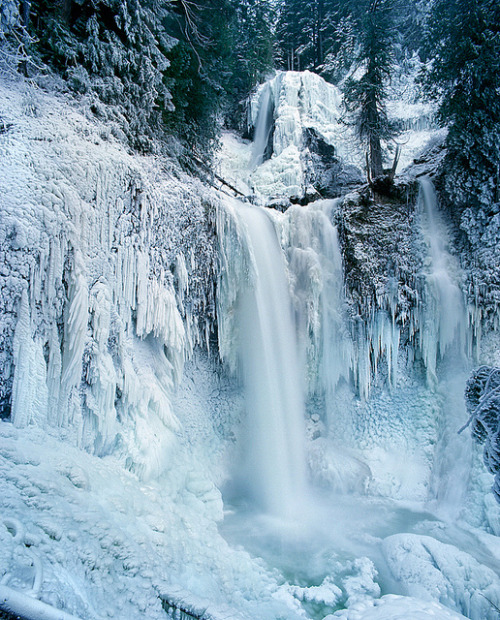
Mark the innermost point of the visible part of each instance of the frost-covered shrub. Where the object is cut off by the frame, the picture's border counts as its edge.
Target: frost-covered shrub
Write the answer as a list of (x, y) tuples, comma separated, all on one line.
[(9, 17), (115, 50), (482, 397)]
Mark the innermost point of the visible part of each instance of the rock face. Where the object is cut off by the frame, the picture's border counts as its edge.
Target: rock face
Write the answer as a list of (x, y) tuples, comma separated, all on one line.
[(432, 570), (378, 236), (326, 173)]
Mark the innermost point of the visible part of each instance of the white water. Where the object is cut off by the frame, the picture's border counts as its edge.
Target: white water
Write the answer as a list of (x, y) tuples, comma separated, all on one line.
[(263, 127), (445, 340), (445, 311), (275, 456)]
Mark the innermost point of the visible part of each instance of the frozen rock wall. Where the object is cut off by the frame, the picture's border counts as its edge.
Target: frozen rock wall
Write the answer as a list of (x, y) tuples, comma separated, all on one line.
[(107, 271)]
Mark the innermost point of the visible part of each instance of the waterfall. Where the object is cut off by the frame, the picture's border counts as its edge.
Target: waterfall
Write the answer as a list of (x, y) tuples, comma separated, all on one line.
[(263, 127), (445, 318), (445, 324), (274, 468)]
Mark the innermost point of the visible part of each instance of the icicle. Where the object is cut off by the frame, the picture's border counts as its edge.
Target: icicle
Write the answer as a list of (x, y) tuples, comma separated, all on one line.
[(182, 276), (54, 375), (75, 335), (29, 389)]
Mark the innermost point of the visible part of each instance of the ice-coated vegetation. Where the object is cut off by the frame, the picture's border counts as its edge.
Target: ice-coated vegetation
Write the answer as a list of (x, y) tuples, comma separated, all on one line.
[(217, 410)]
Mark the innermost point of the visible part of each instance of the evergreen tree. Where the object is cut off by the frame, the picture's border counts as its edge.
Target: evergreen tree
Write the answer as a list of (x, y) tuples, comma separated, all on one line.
[(306, 32), (366, 97), (9, 17), (252, 52), (464, 75), (200, 71), (116, 50)]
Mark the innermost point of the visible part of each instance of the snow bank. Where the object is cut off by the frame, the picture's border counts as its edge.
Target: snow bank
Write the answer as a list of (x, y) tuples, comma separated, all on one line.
[(82, 535), (393, 607), (432, 570)]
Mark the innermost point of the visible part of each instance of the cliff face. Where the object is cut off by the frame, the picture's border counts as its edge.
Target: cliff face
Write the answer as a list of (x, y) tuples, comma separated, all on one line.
[(107, 276)]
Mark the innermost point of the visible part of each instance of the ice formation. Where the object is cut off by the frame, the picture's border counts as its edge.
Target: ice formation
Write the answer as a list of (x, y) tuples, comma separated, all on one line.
[(281, 111), (129, 448)]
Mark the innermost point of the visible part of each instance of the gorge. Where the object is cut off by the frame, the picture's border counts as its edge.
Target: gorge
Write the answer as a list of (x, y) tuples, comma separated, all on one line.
[(235, 409)]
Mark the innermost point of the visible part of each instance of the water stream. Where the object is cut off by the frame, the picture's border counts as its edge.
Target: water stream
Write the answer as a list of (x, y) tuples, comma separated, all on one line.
[(272, 376)]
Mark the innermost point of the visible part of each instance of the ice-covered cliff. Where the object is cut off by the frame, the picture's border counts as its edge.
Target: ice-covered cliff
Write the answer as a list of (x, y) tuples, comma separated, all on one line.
[(174, 360)]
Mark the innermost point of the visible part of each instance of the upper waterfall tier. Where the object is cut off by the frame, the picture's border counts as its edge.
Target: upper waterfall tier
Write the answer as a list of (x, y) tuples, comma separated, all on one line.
[(289, 113), (304, 141)]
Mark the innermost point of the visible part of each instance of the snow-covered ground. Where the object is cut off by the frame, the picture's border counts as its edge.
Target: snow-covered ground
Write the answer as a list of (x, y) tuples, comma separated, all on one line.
[(117, 460)]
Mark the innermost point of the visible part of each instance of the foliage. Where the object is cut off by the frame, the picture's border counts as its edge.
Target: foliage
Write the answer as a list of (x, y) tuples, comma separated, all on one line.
[(163, 68), (199, 72), (115, 50), (366, 97), (252, 53), (482, 398), (463, 44), (310, 34)]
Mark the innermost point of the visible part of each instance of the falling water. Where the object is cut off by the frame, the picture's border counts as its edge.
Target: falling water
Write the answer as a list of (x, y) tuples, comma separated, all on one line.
[(275, 453), (445, 308), (263, 127), (446, 322)]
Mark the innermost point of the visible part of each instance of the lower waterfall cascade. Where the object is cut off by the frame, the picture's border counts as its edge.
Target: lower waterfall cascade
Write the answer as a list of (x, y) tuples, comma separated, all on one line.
[(208, 417), (275, 434)]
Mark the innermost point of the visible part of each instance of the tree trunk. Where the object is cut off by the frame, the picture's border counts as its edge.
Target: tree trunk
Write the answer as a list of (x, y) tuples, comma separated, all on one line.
[(375, 149)]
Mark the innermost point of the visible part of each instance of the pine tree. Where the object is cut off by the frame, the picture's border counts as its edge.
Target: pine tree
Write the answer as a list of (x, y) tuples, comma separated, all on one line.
[(305, 32), (366, 97), (252, 53), (200, 71), (464, 76), (115, 50)]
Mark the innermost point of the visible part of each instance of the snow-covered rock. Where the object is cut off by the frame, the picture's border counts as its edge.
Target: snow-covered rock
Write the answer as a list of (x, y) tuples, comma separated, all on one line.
[(393, 607), (432, 570)]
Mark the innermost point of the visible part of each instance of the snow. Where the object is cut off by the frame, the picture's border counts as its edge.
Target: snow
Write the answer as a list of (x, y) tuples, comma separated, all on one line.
[(119, 458), (109, 545), (431, 570), (393, 607)]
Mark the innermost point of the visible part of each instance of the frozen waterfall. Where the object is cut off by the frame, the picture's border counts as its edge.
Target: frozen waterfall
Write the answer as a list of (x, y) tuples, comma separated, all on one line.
[(443, 339), (445, 318), (263, 127), (274, 452)]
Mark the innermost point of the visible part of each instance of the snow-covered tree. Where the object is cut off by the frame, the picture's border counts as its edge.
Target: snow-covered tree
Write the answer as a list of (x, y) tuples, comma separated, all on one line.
[(116, 50), (252, 57), (366, 96), (482, 398), (463, 46), (9, 16)]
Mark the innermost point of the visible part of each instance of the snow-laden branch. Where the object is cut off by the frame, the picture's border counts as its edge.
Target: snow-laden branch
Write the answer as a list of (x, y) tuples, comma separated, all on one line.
[(482, 397), (20, 604)]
